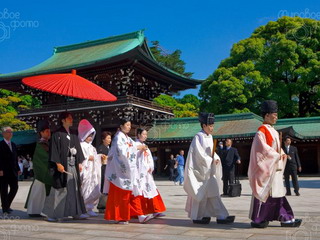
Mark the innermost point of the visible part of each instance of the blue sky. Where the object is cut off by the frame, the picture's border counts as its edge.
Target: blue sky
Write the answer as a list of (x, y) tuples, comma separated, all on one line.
[(203, 30)]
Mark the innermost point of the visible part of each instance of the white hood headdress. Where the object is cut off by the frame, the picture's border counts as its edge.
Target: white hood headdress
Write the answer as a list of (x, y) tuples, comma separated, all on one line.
[(85, 129)]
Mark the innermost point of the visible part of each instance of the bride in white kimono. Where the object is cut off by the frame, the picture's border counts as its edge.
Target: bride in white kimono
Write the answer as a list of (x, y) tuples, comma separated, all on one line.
[(203, 177), (91, 171)]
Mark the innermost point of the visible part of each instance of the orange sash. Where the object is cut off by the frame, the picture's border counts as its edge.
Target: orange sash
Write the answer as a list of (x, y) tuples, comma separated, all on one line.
[(268, 135)]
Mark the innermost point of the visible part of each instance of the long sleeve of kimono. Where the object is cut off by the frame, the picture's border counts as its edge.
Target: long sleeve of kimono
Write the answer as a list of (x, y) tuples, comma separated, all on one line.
[(55, 148), (122, 149), (40, 165), (79, 155), (197, 170), (262, 166), (85, 154), (150, 160), (202, 156)]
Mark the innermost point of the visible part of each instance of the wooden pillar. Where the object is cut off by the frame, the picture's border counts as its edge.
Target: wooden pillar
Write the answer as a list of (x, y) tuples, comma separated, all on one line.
[(318, 156), (159, 156), (98, 135)]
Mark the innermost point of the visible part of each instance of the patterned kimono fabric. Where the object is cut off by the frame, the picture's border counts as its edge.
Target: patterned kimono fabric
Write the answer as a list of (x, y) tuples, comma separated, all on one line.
[(144, 185), (120, 171)]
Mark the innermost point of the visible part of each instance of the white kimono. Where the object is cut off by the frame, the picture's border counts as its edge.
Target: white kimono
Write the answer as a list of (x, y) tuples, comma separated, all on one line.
[(91, 170), (121, 167), (202, 180), (90, 176), (144, 184)]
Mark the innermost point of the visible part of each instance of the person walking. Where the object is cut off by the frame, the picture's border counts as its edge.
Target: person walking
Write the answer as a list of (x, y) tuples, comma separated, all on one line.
[(180, 168), (171, 163), (65, 158), (9, 170), (266, 167), (203, 172)]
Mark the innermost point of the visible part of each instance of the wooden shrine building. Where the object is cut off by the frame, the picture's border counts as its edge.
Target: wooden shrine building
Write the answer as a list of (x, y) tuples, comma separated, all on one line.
[(123, 65)]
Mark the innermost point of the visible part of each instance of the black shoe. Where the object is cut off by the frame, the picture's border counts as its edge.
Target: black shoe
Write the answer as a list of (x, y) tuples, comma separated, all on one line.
[(205, 220), (228, 220), (297, 193), (35, 215), (296, 223), (288, 194), (6, 211), (263, 224)]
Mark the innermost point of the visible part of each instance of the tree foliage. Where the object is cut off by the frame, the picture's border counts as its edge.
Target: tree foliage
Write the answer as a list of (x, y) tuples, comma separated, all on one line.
[(279, 61), (180, 107), (11, 103), (170, 60)]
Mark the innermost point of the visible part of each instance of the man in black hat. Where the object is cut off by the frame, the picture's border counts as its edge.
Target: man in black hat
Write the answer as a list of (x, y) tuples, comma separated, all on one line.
[(42, 182), (267, 162), (202, 173)]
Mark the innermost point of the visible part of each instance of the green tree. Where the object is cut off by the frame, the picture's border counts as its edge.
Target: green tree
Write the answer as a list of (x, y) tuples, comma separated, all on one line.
[(180, 108), (170, 60), (279, 61), (190, 98), (11, 103)]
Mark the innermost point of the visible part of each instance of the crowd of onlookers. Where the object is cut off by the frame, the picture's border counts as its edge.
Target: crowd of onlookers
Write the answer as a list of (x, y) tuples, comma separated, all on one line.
[(26, 167)]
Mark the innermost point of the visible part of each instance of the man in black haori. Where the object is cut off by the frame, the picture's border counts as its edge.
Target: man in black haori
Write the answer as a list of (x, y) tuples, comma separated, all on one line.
[(65, 158)]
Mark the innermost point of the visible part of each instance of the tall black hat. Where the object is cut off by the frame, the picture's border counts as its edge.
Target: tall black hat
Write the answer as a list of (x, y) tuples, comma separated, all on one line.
[(206, 118), (269, 106), (43, 125)]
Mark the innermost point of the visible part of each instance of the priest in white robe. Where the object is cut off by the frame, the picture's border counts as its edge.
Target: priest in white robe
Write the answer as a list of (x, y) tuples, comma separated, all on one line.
[(202, 177)]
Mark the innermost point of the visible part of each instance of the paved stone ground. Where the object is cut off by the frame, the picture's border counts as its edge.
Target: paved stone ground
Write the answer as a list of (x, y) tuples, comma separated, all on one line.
[(175, 225)]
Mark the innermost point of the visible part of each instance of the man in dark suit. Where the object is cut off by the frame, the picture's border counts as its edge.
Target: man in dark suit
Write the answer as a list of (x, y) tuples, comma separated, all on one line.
[(229, 157), (293, 165), (9, 170)]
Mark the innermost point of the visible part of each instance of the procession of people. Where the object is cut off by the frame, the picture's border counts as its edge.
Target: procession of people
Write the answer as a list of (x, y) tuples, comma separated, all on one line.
[(72, 177)]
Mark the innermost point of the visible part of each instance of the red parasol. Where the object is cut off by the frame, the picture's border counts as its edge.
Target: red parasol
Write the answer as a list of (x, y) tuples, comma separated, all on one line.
[(69, 84)]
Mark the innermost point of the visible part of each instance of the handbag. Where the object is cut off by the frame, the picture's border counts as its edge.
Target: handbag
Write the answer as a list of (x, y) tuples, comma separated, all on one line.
[(102, 202), (234, 189)]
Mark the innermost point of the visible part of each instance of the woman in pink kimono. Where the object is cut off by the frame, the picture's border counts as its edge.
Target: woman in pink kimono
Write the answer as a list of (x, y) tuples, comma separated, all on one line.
[(267, 163)]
